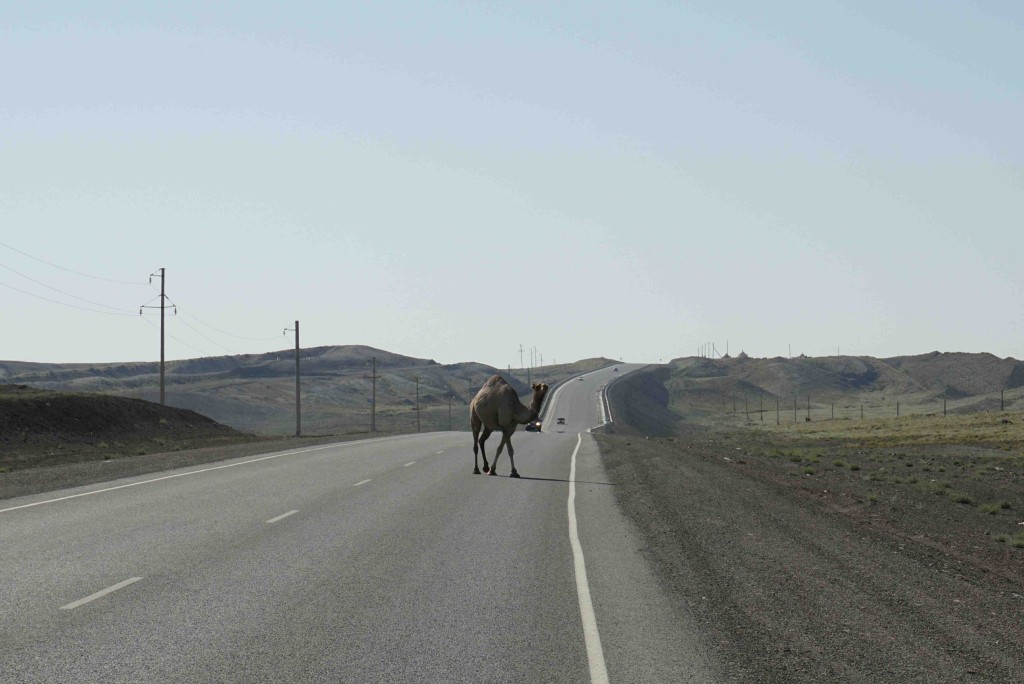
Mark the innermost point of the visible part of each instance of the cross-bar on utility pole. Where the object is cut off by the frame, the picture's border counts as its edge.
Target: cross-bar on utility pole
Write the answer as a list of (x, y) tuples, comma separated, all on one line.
[(298, 406)]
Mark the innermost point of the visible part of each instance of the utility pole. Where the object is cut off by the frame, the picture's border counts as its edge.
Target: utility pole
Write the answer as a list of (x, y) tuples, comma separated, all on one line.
[(163, 280), (417, 403), (298, 405), (373, 396), (449, 408), (163, 305), (528, 381)]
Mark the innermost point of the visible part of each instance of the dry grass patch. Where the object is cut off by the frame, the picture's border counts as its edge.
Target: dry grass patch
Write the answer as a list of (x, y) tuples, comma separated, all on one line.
[(1001, 430)]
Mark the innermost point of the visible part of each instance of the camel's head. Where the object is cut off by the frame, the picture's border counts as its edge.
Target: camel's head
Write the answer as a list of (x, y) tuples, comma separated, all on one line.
[(540, 390)]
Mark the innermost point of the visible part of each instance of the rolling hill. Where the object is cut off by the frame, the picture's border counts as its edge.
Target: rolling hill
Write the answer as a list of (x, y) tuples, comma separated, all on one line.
[(742, 389), (255, 393)]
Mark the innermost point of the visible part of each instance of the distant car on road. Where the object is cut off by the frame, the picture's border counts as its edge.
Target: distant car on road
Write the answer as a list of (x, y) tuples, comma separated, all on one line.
[(616, 369), (560, 421), (580, 378), (533, 426)]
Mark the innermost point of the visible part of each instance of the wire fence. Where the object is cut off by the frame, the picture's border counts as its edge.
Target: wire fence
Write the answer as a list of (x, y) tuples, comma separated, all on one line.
[(765, 408)]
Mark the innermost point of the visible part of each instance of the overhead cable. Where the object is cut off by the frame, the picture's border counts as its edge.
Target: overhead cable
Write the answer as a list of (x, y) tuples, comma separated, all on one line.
[(79, 273), (225, 332), (200, 333), (70, 306), (66, 294), (201, 351)]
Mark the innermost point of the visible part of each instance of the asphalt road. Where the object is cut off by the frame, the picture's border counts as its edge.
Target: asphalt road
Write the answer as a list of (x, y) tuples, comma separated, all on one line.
[(380, 560)]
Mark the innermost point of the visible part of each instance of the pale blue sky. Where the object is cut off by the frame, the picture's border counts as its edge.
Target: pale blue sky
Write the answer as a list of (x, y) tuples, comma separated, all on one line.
[(452, 180)]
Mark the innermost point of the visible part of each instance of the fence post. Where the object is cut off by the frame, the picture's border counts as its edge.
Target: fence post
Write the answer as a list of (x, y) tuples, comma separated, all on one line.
[(897, 409)]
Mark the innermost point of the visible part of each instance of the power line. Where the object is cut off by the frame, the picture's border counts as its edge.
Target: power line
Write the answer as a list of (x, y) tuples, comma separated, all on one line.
[(225, 332), (66, 294), (208, 339), (201, 351), (70, 306), (79, 273)]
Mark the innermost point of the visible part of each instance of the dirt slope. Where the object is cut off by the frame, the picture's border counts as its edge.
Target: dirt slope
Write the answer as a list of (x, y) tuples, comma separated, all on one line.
[(41, 427)]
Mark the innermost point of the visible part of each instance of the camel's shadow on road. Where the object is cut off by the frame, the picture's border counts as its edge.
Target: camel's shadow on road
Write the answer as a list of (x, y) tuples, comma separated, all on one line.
[(551, 479)]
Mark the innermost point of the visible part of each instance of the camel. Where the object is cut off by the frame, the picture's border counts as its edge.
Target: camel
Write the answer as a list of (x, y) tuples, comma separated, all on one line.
[(497, 407)]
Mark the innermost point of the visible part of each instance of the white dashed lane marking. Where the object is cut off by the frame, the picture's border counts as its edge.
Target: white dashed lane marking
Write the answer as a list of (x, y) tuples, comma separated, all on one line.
[(281, 517), (100, 594), (362, 482), (409, 464)]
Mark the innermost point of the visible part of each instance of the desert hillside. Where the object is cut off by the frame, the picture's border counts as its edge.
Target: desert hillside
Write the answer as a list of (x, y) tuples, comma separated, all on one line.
[(255, 393), (43, 427), (753, 390)]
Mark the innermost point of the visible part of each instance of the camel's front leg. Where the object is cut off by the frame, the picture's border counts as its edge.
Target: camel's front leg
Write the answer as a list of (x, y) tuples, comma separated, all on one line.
[(501, 445), (508, 440)]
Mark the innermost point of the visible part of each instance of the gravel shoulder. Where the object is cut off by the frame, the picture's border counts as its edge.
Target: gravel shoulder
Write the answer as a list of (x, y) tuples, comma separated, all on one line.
[(827, 575)]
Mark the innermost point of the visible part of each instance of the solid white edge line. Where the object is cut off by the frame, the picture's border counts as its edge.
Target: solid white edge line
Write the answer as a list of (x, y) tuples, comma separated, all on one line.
[(196, 472), (168, 477), (281, 517), (595, 654), (100, 594), (362, 482)]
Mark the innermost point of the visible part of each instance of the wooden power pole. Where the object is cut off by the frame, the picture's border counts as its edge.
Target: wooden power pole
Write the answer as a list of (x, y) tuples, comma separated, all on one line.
[(298, 402)]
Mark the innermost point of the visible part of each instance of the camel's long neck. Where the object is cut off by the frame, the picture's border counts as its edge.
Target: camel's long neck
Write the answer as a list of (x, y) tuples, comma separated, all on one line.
[(531, 412), (524, 414)]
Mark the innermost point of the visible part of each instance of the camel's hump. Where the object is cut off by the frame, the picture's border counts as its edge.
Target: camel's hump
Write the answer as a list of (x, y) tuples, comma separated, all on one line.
[(495, 380)]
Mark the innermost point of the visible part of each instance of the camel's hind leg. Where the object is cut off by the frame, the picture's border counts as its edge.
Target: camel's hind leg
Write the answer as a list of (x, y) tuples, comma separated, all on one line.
[(475, 423), (483, 454)]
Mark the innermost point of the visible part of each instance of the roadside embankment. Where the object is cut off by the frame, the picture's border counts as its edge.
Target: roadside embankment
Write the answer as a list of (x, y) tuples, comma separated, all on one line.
[(810, 559)]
